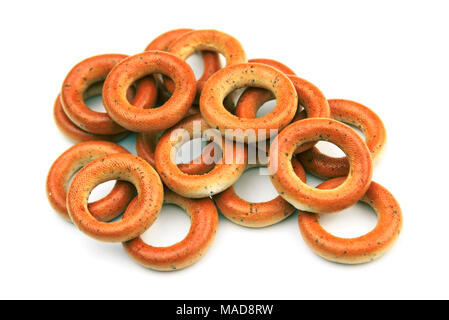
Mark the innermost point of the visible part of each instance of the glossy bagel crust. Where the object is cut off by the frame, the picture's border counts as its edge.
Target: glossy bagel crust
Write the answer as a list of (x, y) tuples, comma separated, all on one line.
[(143, 64), (69, 163), (211, 59), (238, 76), (307, 198), (71, 131), (361, 249), (259, 214), (356, 114), (86, 73), (146, 145), (210, 40), (204, 225), (310, 98), (123, 166), (221, 177)]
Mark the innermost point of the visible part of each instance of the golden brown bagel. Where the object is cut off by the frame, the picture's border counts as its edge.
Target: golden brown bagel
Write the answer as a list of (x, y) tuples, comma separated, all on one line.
[(361, 249), (123, 166), (238, 76), (356, 114), (222, 176), (69, 163), (141, 65), (307, 198), (204, 224), (81, 77), (260, 214)]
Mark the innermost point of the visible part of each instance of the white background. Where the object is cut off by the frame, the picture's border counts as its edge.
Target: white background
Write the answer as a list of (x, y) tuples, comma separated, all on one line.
[(389, 55)]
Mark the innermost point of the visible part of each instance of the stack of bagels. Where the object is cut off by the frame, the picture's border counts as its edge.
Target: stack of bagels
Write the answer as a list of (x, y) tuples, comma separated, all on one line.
[(156, 95)]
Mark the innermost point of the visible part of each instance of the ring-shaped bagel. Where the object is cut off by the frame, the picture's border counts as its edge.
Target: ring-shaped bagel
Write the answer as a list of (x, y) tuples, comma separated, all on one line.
[(237, 76), (211, 59), (141, 65), (361, 249), (146, 144), (69, 163), (222, 176), (210, 40), (305, 197), (349, 112), (204, 224), (71, 131), (88, 72), (310, 98), (258, 214), (123, 166)]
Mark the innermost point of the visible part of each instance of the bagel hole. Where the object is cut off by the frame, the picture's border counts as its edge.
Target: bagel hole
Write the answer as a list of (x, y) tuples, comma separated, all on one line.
[(196, 62), (352, 222), (190, 150), (101, 191), (330, 149), (255, 186), (95, 103), (266, 108), (171, 226)]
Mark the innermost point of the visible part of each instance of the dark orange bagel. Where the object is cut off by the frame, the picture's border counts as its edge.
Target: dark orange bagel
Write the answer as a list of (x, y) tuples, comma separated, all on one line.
[(146, 144), (71, 131), (275, 64), (307, 198), (222, 176), (78, 80), (361, 249), (256, 215), (123, 166), (211, 59), (309, 97), (356, 114), (138, 66), (238, 76), (69, 163), (204, 224), (209, 40)]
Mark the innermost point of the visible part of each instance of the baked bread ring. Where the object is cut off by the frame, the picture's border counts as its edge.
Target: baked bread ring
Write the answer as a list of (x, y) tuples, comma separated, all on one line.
[(356, 114), (275, 64), (146, 144), (211, 59), (78, 80), (71, 131), (361, 249), (237, 76), (123, 166), (135, 67), (307, 198), (260, 214), (204, 224), (309, 97), (221, 177), (210, 40), (69, 163)]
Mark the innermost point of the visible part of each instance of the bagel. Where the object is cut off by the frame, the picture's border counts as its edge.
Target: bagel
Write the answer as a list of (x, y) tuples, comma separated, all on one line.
[(307, 198), (361, 249), (204, 224), (356, 114), (238, 76), (260, 214), (146, 144), (221, 177), (78, 80), (123, 166), (135, 67), (211, 59), (69, 163)]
